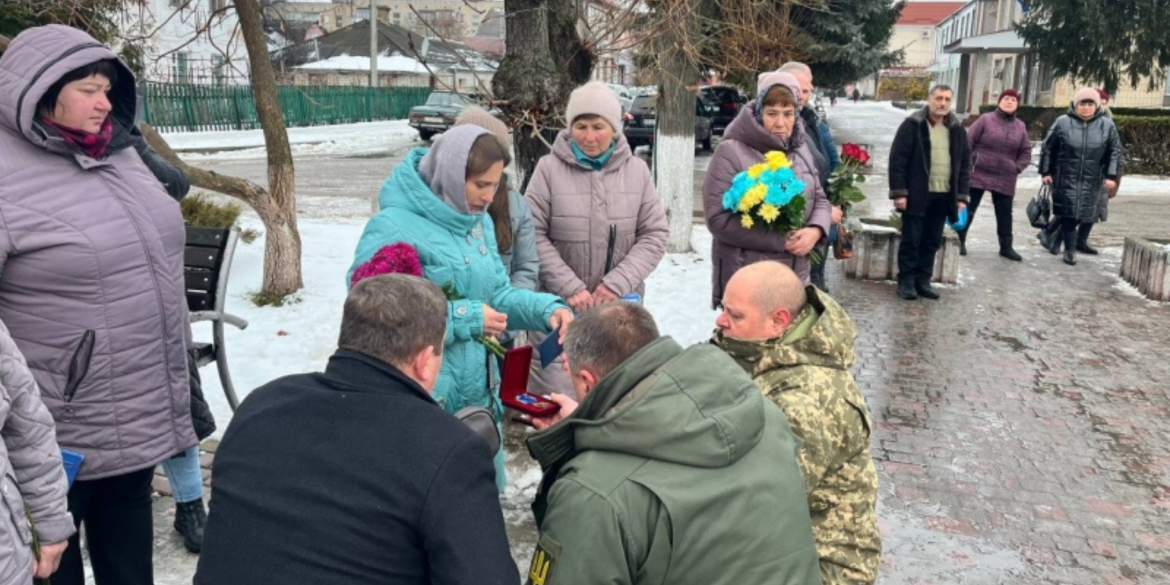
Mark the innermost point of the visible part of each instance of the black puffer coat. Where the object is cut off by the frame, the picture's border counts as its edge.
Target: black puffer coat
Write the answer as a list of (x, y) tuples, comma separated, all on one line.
[(1080, 155)]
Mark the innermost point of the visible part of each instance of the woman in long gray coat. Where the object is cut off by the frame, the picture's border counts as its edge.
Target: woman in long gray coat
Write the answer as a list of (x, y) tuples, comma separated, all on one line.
[(600, 228), (91, 288), (768, 124), (31, 473), (1081, 156)]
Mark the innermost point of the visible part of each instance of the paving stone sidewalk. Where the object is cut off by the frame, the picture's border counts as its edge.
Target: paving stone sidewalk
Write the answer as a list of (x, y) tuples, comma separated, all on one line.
[(1022, 431)]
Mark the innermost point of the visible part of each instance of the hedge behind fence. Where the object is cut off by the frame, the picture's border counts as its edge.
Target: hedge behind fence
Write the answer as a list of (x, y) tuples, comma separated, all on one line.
[(1145, 134), (1147, 144)]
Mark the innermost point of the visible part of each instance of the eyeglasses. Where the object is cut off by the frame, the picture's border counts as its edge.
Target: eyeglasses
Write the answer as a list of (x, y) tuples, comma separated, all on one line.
[(1087, 103)]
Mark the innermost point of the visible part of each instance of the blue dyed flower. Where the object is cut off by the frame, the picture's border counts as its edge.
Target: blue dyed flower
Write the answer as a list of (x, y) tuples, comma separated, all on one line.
[(777, 195), (785, 175)]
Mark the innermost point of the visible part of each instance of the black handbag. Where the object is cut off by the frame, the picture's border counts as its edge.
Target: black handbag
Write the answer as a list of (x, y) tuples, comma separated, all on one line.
[(1040, 207)]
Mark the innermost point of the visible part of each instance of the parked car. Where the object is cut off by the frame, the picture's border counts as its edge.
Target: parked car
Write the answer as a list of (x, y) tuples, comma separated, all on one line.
[(437, 114), (727, 99), (625, 96), (642, 120)]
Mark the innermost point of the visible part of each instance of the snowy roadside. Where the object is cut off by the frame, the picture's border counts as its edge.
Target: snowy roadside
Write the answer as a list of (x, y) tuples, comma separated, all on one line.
[(342, 139)]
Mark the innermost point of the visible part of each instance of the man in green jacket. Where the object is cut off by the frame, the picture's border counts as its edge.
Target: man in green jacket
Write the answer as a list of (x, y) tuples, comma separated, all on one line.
[(797, 343), (672, 469)]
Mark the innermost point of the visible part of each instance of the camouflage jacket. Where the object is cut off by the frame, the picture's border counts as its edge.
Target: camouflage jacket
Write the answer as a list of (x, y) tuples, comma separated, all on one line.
[(807, 374)]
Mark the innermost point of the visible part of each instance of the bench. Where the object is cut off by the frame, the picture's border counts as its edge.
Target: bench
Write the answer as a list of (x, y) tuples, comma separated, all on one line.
[(207, 260)]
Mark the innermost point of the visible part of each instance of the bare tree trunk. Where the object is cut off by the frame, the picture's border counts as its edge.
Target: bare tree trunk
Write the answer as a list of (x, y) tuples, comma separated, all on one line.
[(545, 60), (278, 211), (674, 145)]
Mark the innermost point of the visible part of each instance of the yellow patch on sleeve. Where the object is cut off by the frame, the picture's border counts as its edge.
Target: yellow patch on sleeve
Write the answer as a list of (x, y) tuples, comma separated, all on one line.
[(544, 562)]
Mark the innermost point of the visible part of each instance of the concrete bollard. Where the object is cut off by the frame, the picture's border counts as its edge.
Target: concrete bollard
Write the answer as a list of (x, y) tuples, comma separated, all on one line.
[(1146, 265), (875, 253)]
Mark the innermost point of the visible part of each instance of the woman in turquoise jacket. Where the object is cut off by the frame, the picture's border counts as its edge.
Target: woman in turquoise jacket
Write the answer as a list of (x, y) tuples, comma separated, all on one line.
[(436, 201)]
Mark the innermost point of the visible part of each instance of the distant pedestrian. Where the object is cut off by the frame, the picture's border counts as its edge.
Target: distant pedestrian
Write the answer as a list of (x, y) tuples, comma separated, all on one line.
[(1080, 158), (600, 228), (832, 97), (856, 95), (355, 475), (91, 288), (1000, 151), (930, 174)]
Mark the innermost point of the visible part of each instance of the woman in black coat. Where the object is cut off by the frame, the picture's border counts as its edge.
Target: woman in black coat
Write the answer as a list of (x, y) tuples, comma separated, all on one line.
[(1081, 155)]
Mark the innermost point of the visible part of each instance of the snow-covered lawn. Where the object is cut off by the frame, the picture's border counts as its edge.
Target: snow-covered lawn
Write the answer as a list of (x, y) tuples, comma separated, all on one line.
[(300, 336)]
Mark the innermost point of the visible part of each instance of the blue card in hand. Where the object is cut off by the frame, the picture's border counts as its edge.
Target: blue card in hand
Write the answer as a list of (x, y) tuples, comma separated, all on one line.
[(72, 462), (550, 348)]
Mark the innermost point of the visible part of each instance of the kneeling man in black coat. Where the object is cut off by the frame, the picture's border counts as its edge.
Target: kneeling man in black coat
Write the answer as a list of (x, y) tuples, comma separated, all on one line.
[(355, 475)]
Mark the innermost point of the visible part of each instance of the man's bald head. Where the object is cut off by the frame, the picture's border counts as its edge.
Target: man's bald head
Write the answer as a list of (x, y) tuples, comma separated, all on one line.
[(760, 301), (773, 286)]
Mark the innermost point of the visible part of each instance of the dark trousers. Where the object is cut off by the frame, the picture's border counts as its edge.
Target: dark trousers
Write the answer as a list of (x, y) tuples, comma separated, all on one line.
[(119, 531), (1003, 213), (921, 238)]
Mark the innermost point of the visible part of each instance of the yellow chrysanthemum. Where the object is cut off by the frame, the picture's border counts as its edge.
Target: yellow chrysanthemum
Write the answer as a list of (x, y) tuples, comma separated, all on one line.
[(756, 170), (776, 160), (746, 221), (769, 212), (756, 194)]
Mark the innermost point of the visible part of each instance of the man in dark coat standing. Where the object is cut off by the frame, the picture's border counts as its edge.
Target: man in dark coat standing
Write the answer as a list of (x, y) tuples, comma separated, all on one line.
[(930, 176), (356, 476)]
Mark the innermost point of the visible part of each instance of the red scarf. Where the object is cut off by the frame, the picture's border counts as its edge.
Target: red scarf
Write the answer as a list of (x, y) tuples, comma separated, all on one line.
[(91, 144)]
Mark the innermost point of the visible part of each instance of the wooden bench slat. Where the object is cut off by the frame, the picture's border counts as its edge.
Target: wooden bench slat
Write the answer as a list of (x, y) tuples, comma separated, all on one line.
[(199, 301), (201, 257), (207, 237), (200, 279)]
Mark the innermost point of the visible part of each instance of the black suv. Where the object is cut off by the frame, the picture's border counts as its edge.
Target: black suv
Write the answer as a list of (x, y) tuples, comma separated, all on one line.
[(641, 121), (728, 100)]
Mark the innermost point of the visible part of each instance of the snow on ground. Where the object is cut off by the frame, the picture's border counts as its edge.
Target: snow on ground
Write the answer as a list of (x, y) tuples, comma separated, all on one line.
[(300, 336), (342, 139)]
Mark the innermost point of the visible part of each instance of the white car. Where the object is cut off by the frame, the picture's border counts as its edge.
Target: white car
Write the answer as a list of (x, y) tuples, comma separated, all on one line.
[(625, 96)]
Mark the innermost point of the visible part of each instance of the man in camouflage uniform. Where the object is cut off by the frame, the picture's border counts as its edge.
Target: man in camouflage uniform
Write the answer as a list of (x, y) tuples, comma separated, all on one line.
[(797, 343)]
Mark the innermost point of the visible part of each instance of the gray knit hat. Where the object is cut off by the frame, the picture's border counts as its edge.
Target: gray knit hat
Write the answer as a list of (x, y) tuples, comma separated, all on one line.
[(595, 99)]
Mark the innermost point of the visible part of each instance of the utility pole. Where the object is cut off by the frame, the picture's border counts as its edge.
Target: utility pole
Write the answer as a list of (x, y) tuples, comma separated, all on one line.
[(373, 20)]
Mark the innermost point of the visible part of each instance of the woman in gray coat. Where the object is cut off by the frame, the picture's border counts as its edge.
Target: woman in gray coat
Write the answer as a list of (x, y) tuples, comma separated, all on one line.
[(1081, 156), (91, 287), (31, 473)]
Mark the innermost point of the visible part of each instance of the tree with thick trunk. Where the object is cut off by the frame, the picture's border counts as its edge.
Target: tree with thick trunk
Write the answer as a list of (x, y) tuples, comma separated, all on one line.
[(277, 207), (674, 145), (545, 59)]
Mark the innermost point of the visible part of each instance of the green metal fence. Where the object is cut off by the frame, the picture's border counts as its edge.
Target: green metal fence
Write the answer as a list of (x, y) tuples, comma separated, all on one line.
[(231, 107)]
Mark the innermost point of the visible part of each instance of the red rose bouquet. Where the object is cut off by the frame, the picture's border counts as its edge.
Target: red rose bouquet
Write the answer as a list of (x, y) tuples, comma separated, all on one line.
[(843, 191)]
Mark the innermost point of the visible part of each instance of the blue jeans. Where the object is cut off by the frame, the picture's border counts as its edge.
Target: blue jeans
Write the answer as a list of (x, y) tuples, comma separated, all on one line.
[(185, 476)]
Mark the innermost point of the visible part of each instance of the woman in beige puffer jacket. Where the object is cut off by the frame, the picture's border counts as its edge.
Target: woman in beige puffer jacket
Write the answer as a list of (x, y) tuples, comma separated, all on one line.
[(589, 189)]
